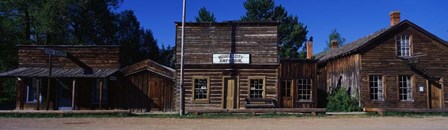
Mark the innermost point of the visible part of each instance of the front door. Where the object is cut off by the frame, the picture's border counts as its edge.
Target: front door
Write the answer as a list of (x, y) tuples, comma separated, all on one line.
[(286, 93), (436, 96), (155, 93), (230, 93), (64, 95)]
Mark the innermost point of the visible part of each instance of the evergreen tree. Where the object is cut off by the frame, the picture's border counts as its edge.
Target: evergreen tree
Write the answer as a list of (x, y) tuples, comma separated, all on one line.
[(334, 35), (292, 33), (205, 16)]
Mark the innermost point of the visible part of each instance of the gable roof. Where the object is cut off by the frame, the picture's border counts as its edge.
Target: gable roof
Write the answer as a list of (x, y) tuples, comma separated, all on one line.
[(149, 65), (356, 45)]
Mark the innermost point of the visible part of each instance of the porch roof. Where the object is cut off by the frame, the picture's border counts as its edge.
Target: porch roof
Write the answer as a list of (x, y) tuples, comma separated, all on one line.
[(58, 72)]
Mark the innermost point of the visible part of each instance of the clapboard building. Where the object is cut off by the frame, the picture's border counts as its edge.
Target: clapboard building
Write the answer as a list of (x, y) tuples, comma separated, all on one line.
[(401, 67)]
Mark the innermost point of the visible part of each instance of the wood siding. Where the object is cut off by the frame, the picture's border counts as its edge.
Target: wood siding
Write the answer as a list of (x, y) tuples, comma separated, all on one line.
[(341, 72), (382, 59), (92, 56), (300, 69), (204, 40)]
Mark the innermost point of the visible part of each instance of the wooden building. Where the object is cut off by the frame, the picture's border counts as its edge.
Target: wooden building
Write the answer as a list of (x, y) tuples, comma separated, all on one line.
[(146, 86), (89, 78), (401, 66), (65, 77), (228, 63)]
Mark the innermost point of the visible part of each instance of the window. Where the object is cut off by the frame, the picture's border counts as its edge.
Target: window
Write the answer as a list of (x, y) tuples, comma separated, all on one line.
[(200, 88), (405, 88), (286, 88), (376, 87), (31, 91), (256, 88), (403, 46), (304, 89)]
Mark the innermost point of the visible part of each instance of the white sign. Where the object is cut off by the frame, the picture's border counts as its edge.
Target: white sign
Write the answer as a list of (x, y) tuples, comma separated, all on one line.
[(231, 58)]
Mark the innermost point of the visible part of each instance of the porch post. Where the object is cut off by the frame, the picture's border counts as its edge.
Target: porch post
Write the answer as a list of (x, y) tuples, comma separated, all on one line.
[(73, 94), (101, 94), (443, 92)]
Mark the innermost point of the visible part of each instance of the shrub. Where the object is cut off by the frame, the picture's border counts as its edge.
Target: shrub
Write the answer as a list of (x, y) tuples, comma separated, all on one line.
[(341, 101)]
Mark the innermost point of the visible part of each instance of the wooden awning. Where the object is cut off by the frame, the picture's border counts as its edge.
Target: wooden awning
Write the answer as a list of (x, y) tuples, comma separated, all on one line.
[(58, 72)]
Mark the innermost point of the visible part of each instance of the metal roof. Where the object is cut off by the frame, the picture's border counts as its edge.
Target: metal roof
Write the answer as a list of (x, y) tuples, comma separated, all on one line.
[(58, 72)]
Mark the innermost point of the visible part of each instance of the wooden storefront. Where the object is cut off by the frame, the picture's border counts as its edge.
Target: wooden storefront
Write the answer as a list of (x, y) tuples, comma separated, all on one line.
[(72, 78), (226, 64)]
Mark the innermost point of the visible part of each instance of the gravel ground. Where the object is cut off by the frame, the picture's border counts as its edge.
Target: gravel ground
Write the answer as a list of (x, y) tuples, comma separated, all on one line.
[(333, 123)]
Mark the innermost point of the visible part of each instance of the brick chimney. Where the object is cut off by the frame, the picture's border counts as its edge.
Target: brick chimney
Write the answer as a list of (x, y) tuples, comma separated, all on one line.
[(309, 48), (334, 44), (394, 17)]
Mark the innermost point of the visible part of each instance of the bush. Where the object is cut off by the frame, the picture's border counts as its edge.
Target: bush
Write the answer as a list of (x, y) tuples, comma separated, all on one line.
[(341, 101)]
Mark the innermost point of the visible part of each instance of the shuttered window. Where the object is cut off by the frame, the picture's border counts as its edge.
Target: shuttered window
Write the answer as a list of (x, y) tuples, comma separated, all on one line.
[(256, 88), (376, 87), (403, 46), (405, 88), (304, 89)]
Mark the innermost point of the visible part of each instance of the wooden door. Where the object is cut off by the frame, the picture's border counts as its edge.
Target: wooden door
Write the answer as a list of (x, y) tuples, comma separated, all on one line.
[(155, 93), (230, 95), (286, 93), (436, 96)]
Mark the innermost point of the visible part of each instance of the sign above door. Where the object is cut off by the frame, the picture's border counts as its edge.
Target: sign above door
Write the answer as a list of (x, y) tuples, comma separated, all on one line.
[(231, 58)]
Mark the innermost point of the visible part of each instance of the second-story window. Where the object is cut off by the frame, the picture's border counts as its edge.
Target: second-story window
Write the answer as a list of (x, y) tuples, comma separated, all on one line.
[(403, 46)]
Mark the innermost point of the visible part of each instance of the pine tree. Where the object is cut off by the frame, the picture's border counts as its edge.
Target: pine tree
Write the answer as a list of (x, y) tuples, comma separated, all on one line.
[(205, 16)]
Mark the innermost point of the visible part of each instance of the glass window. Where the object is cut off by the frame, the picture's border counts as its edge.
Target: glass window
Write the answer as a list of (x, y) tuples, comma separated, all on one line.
[(256, 88), (376, 87), (304, 89), (200, 86), (405, 87), (403, 46)]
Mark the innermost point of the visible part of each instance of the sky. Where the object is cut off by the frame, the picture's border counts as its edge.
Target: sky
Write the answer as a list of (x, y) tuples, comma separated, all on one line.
[(353, 19)]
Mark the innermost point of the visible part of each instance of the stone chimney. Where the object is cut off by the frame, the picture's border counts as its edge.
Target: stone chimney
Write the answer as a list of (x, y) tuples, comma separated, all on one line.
[(334, 44), (309, 48), (394, 17)]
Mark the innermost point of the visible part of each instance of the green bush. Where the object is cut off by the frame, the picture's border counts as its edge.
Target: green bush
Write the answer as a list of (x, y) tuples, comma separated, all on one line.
[(341, 101)]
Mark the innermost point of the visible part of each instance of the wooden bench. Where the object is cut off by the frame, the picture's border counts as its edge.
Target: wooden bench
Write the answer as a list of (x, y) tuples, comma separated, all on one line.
[(260, 103)]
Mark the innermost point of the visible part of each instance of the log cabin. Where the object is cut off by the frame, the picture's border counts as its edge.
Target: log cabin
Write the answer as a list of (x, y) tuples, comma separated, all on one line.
[(88, 78), (400, 67)]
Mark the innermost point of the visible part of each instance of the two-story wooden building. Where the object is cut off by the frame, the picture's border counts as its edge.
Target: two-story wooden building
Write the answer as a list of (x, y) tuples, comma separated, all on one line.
[(226, 63), (401, 66)]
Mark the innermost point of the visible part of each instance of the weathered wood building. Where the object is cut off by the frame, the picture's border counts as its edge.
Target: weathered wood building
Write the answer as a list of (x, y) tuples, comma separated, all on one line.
[(146, 86), (401, 66), (227, 63), (89, 78)]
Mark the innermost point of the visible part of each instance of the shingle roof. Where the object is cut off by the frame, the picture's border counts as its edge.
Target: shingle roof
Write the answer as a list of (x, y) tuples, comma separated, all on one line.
[(58, 72), (358, 44)]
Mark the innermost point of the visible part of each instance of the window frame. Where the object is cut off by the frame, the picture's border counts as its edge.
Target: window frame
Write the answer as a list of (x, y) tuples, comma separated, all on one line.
[(263, 78), (398, 45), (383, 88), (310, 90), (33, 83), (411, 83), (193, 83)]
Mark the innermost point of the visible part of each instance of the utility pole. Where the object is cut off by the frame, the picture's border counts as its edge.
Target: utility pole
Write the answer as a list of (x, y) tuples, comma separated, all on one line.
[(181, 90)]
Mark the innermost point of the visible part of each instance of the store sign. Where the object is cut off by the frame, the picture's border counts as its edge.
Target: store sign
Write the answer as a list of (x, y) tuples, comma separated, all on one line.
[(231, 58)]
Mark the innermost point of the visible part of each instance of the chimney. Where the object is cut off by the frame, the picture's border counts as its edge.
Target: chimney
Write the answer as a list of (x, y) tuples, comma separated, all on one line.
[(334, 44), (309, 48), (394, 17)]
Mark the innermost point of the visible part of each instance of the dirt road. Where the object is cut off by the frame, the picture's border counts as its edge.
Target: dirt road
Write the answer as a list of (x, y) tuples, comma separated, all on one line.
[(342, 123)]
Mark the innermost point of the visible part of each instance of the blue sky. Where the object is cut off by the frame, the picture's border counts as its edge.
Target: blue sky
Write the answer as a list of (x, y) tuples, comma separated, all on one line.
[(353, 19)]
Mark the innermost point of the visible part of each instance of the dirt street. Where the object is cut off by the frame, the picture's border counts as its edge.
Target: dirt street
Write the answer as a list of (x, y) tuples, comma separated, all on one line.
[(342, 123)]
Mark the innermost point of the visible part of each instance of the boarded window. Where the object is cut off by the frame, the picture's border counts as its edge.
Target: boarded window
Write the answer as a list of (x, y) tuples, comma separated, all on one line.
[(376, 87), (256, 88), (200, 88), (403, 46), (405, 87), (304, 89)]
